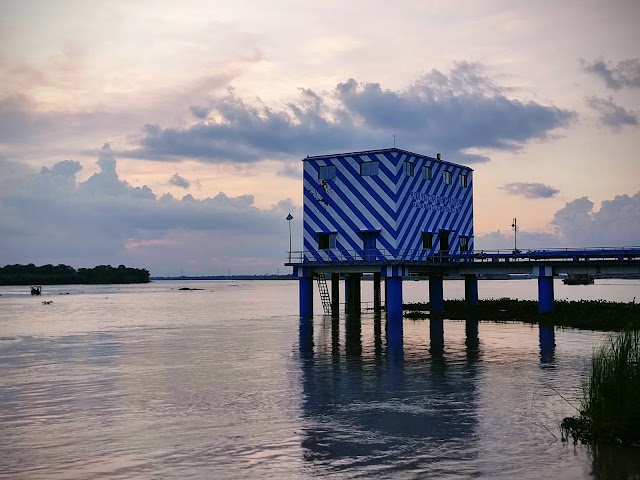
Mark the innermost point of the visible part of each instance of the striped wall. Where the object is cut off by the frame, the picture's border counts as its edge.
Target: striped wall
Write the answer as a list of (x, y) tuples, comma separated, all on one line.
[(391, 205)]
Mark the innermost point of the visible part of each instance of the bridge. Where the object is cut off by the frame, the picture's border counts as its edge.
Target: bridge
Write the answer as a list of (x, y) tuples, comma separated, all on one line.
[(541, 263)]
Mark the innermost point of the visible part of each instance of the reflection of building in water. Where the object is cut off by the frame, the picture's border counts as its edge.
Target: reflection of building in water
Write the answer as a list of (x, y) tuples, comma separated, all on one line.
[(386, 408)]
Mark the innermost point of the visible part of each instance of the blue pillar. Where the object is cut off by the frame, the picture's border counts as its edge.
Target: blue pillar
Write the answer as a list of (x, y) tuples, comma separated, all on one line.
[(436, 294), (471, 290), (306, 295), (394, 299), (545, 294)]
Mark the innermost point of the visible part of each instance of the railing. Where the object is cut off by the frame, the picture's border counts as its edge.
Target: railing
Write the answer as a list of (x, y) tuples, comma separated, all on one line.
[(420, 255)]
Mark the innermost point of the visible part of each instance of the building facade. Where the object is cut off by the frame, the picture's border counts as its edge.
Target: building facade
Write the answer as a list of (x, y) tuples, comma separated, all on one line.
[(385, 205)]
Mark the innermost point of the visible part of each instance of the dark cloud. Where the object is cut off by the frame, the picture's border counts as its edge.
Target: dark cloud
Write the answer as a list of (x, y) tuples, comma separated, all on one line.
[(531, 190), (577, 225), (611, 115), (626, 74), (51, 217), (439, 112), (179, 181)]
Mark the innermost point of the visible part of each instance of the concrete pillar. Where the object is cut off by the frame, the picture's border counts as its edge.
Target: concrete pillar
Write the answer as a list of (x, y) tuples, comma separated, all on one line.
[(335, 294), (436, 294), (377, 300), (352, 293), (471, 290), (545, 294), (306, 296)]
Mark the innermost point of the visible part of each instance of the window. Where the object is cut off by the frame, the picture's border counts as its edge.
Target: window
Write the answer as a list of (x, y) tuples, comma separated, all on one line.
[(326, 172), (408, 168), (427, 241), (463, 180), (426, 172), (326, 241), (464, 244), (447, 177), (369, 168)]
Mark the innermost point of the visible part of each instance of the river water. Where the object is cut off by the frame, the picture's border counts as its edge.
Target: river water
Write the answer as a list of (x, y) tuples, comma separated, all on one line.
[(148, 381)]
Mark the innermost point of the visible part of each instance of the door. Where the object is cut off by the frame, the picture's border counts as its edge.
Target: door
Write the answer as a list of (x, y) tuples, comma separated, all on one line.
[(444, 241)]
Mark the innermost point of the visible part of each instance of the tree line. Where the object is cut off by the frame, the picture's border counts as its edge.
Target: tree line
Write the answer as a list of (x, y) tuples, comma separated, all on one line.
[(64, 274)]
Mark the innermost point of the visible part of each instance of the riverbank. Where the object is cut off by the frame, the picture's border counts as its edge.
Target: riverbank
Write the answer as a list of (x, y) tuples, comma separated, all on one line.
[(597, 315), (15, 275)]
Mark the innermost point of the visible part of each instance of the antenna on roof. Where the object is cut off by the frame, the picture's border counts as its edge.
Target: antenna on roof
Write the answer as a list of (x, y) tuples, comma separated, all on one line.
[(394, 141)]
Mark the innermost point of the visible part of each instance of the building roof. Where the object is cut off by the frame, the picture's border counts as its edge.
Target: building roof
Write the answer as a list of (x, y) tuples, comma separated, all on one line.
[(383, 150)]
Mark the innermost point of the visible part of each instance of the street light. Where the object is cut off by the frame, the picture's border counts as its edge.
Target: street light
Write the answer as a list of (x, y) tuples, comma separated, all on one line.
[(514, 225), (289, 218)]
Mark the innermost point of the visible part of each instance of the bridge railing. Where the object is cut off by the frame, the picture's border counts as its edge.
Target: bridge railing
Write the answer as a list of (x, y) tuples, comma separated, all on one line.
[(420, 255)]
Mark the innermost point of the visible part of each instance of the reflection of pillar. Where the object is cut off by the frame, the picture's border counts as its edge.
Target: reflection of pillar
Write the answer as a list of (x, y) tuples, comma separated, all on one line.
[(306, 293), (353, 333), (377, 301), (335, 337), (436, 336), (436, 294), (545, 294), (547, 337), (471, 340), (352, 293), (335, 294), (377, 335), (306, 336), (471, 290)]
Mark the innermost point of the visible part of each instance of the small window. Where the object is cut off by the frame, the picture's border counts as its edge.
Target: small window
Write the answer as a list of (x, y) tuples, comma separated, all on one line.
[(463, 180), (426, 172), (326, 241), (326, 172), (427, 241), (369, 168), (408, 168), (464, 244), (447, 177)]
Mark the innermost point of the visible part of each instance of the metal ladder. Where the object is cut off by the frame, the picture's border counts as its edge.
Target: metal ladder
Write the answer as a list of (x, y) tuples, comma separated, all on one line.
[(324, 292)]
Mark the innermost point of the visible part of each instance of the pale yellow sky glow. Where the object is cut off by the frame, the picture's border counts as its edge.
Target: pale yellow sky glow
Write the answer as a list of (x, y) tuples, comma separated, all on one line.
[(218, 85)]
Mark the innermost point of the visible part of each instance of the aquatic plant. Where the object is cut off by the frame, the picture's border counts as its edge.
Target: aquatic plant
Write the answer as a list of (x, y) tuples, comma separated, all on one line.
[(610, 410)]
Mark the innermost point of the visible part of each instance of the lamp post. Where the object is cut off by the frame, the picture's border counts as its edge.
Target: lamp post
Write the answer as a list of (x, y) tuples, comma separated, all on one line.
[(514, 225), (289, 218)]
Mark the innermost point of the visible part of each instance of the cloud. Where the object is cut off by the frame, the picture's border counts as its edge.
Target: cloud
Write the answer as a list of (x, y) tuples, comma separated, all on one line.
[(51, 217), (531, 190), (577, 225), (626, 74), (450, 113), (611, 115), (179, 181)]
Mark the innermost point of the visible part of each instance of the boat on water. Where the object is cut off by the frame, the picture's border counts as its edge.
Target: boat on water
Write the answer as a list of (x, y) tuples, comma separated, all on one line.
[(36, 290), (578, 279)]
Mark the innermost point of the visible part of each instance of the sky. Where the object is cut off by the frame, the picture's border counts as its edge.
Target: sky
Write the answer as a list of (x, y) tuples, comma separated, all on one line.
[(169, 135)]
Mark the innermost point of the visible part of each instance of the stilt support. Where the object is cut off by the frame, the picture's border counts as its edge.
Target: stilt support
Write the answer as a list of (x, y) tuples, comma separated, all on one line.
[(394, 299), (377, 300), (436, 294), (352, 293), (335, 294), (306, 295), (545, 294), (471, 290)]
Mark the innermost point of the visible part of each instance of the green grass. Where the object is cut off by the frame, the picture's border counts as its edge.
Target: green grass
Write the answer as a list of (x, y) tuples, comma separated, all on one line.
[(610, 410), (585, 314)]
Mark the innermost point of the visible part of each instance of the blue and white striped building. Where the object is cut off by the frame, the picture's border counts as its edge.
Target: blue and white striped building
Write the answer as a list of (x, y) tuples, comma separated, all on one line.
[(385, 205), (386, 212)]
